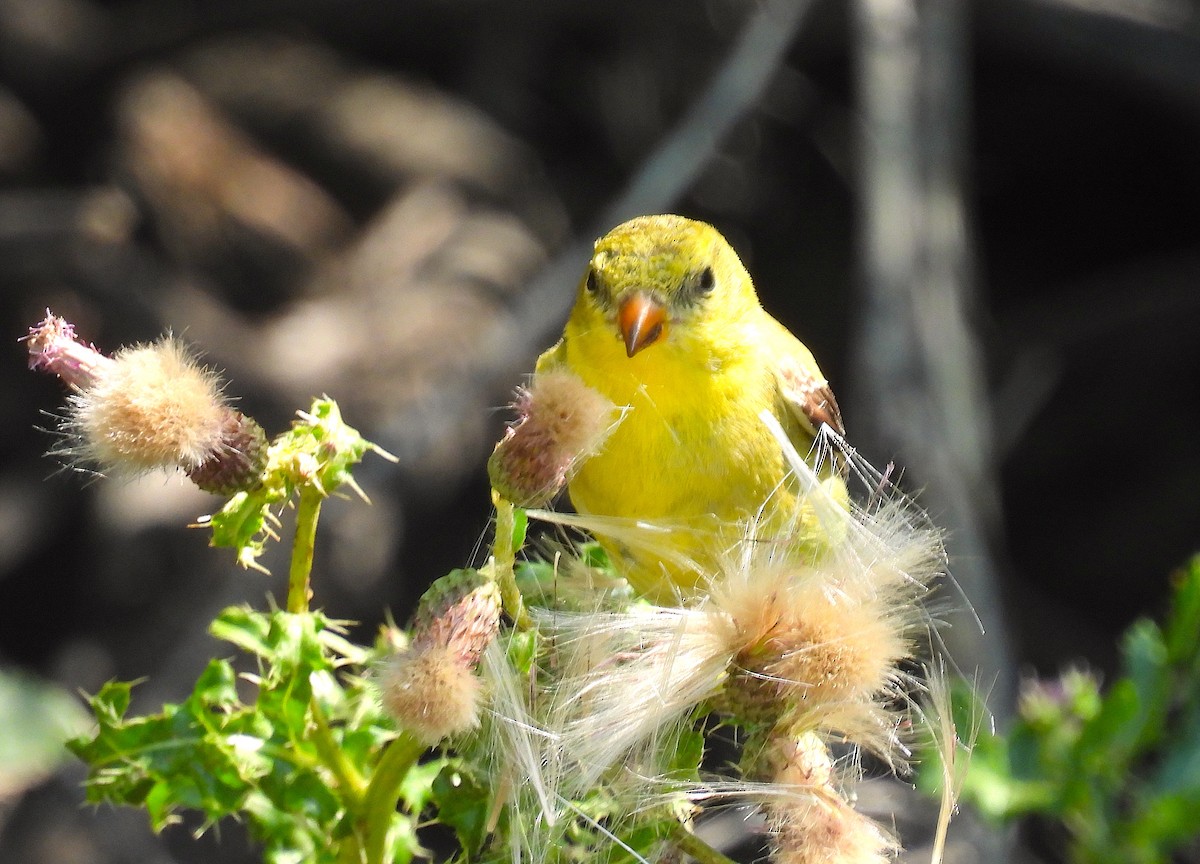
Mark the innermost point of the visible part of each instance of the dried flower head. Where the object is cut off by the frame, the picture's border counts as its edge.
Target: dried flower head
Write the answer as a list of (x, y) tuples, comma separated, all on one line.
[(431, 693), (560, 421), (431, 687), (810, 820), (154, 407), (460, 611), (148, 407)]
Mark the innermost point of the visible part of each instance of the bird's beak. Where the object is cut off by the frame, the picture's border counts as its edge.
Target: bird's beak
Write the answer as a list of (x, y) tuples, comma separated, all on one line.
[(642, 321)]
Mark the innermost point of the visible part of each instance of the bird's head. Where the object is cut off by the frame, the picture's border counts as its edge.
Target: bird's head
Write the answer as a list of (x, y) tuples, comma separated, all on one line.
[(654, 275)]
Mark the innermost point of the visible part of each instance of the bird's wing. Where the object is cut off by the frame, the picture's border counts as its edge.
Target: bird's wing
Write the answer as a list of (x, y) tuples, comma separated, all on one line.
[(802, 387), (553, 357)]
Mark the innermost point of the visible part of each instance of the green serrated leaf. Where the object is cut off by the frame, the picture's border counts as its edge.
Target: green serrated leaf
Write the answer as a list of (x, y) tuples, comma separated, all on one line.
[(1182, 628), (294, 643), (160, 802), (686, 754), (463, 804), (416, 790), (217, 686), (318, 450), (245, 522), (111, 703), (246, 628)]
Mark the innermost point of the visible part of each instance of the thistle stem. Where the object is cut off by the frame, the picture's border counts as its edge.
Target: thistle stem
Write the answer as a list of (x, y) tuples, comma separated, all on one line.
[(308, 510), (334, 758), (504, 562), (383, 792), (689, 844)]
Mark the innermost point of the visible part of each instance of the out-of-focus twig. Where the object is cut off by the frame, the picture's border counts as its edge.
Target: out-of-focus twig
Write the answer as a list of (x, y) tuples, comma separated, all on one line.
[(664, 176), (509, 347), (922, 392)]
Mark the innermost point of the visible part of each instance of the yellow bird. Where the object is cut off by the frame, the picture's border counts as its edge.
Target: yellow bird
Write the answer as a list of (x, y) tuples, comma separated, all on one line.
[(668, 327)]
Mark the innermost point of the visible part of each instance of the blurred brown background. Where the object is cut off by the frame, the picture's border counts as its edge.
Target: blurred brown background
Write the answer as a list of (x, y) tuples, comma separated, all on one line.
[(983, 217)]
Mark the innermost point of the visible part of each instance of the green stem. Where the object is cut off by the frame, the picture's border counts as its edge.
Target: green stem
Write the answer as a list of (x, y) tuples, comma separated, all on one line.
[(504, 562), (689, 844), (334, 758), (307, 513), (384, 791)]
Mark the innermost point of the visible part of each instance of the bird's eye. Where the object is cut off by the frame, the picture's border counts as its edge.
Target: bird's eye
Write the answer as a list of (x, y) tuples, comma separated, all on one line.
[(706, 281), (593, 283)]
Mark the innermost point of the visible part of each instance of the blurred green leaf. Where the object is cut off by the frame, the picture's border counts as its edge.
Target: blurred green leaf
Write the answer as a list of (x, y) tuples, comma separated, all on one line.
[(1121, 770), (38, 719), (1147, 665), (319, 449), (1182, 631), (463, 804)]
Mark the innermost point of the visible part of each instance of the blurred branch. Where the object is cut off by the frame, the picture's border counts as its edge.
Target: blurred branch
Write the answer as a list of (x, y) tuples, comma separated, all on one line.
[(922, 390), (1155, 43), (665, 175), (738, 85), (662, 179), (921, 380)]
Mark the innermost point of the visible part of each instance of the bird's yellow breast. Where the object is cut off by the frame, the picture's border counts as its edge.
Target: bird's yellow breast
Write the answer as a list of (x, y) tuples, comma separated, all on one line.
[(690, 444)]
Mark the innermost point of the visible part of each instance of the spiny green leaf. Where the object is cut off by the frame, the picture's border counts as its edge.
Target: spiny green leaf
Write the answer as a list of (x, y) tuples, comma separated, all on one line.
[(216, 687), (246, 628), (111, 703), (1182, 628), (318, 450), (463, 804)]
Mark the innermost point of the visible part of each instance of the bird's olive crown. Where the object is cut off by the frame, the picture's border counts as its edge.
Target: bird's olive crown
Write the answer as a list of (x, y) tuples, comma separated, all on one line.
[(677, 260)]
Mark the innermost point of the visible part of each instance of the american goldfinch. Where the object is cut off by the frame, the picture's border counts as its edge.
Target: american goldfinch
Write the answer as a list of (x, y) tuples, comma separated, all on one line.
[(668, 327)]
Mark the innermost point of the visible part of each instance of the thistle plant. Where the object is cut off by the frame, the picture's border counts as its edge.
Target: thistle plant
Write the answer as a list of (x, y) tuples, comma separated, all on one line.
[(534, 704), (1113, 770)]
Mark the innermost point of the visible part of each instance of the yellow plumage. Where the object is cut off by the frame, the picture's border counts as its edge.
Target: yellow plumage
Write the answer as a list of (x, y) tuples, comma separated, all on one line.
[(667, 326)]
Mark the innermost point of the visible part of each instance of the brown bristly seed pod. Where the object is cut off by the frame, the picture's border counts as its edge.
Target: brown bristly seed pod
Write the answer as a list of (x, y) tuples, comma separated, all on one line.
[(560, 420), (147, 407), (431, 687)]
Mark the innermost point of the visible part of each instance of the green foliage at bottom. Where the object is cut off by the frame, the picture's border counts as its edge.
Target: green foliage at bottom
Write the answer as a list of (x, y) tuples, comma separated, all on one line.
[(1119, 767), (250, 747)]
